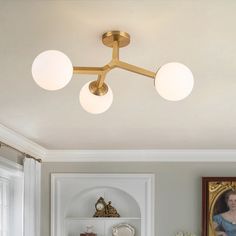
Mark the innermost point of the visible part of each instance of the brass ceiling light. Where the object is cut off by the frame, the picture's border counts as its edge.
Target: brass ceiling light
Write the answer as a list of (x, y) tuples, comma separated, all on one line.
[(53, 70)]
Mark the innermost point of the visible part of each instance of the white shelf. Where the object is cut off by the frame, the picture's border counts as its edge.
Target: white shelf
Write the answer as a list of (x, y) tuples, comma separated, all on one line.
[(102, 218), (74, 197)]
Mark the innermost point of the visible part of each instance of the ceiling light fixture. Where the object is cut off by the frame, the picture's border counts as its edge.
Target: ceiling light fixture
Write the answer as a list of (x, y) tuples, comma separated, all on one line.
[(52, 70)]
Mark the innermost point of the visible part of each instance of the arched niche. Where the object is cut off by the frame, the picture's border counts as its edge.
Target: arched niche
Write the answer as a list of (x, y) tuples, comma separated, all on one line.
[(82, 204)]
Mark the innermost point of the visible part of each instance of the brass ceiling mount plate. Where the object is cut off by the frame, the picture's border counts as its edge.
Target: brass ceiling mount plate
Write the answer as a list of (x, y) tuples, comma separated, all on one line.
[(110, 37)]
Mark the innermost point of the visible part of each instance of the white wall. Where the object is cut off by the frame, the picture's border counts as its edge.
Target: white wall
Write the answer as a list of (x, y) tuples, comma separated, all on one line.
[(178, 189)]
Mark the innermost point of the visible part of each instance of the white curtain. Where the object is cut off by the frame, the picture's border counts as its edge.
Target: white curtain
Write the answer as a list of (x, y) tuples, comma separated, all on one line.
[(32, 193)]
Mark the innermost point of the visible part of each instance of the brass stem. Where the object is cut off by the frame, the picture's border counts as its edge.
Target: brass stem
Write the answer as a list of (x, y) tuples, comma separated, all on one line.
[(100, 80), (115, 50)]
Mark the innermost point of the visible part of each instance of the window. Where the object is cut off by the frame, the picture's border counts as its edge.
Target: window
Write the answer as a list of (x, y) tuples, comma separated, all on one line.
[(11, 198), (4, 206)]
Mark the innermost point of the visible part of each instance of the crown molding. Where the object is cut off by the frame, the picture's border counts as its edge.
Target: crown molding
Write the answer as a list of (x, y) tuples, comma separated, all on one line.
[(21, 143), (174, 155), (25, 145)]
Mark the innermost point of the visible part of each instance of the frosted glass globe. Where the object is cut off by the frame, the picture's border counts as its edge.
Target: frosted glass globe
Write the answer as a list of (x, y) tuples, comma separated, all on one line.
[(93, 103), (52, 70), (174, 81)]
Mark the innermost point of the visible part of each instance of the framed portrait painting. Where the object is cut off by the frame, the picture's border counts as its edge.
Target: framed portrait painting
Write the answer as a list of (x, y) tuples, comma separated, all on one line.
[(218, 206)]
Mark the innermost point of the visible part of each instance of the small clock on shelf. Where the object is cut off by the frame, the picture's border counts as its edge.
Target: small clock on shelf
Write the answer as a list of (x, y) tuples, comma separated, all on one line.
[(100, 208), (105, 210)]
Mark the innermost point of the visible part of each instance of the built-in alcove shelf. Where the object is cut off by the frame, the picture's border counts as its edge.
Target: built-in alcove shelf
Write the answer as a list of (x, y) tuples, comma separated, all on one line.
[(74, 196), (102, 218), (101, 226)]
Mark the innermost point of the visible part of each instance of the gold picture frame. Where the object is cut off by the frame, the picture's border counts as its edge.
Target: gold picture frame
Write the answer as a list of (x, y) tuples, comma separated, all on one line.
[(214, 193)]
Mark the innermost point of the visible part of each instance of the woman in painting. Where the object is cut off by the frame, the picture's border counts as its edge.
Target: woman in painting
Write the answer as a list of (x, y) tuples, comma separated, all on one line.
[(225, 223)]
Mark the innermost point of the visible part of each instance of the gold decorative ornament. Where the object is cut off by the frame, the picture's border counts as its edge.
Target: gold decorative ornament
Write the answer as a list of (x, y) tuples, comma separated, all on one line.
[(52, 70), (105, 210)]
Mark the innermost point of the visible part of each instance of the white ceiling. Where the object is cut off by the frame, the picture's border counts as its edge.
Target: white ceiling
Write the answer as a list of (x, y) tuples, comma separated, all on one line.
[(200, 34)]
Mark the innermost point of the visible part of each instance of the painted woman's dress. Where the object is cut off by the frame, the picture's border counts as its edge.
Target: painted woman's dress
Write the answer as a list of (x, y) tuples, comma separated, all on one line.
[(228, 227)]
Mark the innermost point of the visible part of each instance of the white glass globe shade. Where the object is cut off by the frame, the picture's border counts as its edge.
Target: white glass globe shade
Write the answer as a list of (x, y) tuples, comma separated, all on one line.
[(174, 81), (52, 70), (93, 103)]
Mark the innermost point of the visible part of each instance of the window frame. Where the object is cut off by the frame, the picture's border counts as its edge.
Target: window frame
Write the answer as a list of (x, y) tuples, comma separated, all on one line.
[(13, 173)]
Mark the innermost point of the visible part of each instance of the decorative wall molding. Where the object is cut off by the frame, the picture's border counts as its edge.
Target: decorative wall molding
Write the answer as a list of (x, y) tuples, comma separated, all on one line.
[(23, 144), (135, 192)]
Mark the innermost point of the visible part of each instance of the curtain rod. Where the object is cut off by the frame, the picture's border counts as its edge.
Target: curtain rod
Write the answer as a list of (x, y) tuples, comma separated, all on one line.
[(2, 144)]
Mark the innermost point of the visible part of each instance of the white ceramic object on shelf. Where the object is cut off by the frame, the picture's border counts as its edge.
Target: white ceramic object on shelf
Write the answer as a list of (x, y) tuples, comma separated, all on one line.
[(123, 230), (89, 229)]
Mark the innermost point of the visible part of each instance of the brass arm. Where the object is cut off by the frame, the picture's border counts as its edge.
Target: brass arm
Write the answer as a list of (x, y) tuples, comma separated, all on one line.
[(88, 70), (113, 64), (135, 69)]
